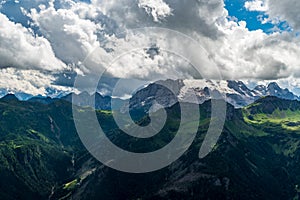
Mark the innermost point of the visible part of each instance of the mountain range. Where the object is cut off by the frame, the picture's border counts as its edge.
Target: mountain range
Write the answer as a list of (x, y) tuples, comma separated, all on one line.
[(169, 92), (256, 157)]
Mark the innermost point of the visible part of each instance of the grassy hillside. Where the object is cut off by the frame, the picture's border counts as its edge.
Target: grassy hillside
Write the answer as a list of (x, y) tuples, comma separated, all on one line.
[(272, 111), (257, 155)]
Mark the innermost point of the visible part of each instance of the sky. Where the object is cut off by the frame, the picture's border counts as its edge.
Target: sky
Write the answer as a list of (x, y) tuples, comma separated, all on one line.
[(238, 9), (45, 45)]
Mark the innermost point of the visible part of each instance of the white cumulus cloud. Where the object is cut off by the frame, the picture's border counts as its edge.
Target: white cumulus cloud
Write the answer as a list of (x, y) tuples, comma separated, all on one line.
[(157, 8), (32, 81), (278, 10), (257, 5), (90, 37), (20, 48)]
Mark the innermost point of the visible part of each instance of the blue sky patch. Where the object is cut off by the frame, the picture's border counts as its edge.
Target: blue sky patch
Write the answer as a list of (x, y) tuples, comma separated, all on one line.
[(236, 8)]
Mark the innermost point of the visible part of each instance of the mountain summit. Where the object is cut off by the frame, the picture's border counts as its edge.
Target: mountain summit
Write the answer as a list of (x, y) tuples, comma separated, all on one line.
[(235, 92), (10, 97), (169, 92), (273, 89)]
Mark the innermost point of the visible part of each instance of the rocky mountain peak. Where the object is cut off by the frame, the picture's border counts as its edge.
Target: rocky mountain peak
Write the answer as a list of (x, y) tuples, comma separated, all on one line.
[(235, 92), (10, 97), (274, 87)]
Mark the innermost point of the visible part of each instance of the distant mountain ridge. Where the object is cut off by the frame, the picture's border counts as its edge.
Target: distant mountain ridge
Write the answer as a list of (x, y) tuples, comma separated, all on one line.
[(234, 92), (169, 92), (83, 99), (95, 100), (9, 97)]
